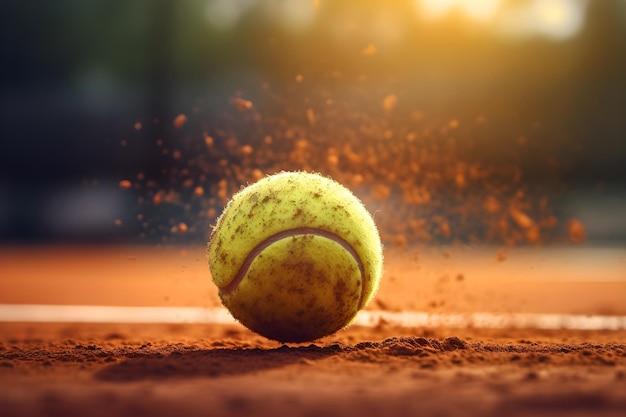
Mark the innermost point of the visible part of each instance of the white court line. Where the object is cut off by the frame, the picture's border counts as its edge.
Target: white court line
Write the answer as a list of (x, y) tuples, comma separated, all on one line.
[(111, 314), (493, 320), (368, 318)]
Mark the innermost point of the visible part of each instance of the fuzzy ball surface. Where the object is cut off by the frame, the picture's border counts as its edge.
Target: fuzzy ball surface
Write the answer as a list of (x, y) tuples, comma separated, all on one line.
[(295, 256)]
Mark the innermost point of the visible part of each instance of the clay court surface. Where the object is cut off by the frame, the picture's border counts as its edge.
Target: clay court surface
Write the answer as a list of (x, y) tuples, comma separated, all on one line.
[(379, 369)]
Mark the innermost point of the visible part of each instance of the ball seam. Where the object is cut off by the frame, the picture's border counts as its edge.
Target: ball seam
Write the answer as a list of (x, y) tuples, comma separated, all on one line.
[(298, 231)]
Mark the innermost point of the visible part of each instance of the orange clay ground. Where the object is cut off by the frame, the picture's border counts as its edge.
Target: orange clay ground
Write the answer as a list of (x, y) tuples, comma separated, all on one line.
[(64, 369)]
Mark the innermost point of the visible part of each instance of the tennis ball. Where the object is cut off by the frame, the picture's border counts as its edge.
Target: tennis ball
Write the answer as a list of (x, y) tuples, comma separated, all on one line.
[(295, 256)]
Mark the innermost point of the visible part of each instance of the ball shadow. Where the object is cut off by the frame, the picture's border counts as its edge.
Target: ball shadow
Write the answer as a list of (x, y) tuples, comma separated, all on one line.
[(213, 363)]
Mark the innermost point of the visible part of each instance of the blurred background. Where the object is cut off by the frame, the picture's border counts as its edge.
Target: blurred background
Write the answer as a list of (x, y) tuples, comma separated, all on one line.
[(483, 121)]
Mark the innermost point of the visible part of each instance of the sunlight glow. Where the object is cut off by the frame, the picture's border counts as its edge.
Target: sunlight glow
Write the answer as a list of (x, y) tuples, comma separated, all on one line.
[(553, 19)]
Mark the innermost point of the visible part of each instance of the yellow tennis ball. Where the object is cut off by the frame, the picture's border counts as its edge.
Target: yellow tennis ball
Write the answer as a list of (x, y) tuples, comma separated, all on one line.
[(295, 256)]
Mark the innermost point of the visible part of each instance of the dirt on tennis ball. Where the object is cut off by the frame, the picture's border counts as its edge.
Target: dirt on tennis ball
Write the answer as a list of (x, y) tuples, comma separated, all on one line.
[(295, 256)]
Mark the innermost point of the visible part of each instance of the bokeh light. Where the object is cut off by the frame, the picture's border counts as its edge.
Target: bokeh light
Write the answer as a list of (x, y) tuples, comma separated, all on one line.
[(292, 15), (479, 10), (552, 19), (559, 19), (225, 14)]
